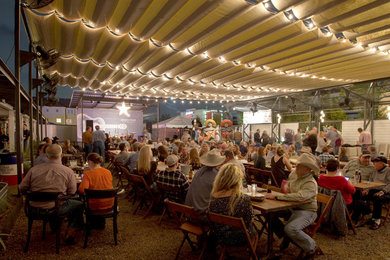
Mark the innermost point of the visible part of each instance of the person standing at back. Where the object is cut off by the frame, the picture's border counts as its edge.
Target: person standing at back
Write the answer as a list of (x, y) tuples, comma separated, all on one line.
[(256, 137), (265, 139), (365, 139), (98, 139), (87, 141), (237, 136), (298, 140)]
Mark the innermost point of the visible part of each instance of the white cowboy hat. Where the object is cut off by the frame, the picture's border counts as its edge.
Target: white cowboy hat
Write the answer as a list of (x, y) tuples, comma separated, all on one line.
[(308, 160), (212, 158)]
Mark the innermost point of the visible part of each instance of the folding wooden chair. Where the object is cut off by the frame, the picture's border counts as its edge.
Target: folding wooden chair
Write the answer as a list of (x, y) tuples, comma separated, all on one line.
[(143, 191), (312, 229), (386, 217), (193, 227), (165, 190), (238, 223), (111, 212), (260, 176), (349, 220)]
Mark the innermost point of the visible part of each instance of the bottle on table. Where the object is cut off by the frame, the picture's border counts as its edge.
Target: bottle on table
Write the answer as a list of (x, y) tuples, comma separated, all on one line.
[(268, 186), (357, 176)]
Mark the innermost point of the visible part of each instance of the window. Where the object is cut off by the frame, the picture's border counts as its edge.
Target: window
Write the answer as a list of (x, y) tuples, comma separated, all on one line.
[(58, 120)]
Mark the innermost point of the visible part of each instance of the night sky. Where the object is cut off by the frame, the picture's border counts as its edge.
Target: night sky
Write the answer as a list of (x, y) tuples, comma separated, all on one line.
[(7, 55)]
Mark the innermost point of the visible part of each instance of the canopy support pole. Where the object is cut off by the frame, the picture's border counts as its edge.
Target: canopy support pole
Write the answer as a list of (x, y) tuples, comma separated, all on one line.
[(17, 92), (31, 109)]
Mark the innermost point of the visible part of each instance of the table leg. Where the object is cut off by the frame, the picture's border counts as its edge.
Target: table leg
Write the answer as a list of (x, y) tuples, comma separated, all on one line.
[(269, 246)]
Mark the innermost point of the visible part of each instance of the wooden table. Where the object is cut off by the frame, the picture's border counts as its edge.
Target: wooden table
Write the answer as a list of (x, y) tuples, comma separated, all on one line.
[(268, 207), (368, 185)]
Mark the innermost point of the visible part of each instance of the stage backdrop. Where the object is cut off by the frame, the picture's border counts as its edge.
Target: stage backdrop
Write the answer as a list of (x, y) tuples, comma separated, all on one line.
[(111, 122)]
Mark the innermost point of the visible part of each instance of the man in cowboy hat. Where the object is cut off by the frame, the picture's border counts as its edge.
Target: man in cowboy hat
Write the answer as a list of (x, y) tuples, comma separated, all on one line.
[(198, 195), (300, 186)]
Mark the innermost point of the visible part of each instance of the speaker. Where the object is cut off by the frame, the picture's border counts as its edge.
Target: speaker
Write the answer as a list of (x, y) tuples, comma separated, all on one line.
[(89, 123)]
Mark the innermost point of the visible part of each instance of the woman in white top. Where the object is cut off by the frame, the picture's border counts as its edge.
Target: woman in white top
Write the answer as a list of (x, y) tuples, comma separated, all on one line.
[(321, 142)]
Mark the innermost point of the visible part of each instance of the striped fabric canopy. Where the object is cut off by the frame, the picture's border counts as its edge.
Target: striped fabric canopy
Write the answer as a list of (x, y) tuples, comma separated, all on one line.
[(214, 49)]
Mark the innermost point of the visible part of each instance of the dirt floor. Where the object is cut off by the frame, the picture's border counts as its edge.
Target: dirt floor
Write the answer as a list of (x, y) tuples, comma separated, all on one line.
[(140, 238)]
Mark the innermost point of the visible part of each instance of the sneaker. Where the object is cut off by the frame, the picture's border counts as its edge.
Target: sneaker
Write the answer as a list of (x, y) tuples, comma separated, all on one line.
[(375, 224)]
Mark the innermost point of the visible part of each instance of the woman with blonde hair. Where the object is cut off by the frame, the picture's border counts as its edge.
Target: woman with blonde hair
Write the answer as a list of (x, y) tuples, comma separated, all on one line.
[(194, 159), (228, 199), (267, 148), (236, 152), (145, 165)]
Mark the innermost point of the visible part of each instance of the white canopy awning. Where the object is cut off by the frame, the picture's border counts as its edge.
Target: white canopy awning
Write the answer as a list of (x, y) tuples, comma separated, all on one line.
[(175, 122), (214, 50)]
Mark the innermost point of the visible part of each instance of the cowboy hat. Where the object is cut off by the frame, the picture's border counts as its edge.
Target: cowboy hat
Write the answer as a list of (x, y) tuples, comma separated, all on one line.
[(212, 158), (305, 149), (308, 160)]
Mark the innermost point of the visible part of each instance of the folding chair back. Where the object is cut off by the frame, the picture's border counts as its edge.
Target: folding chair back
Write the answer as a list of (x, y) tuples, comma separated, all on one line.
[(194, 227), (142, 190), (262, 176), (234, 222), (328, 201)]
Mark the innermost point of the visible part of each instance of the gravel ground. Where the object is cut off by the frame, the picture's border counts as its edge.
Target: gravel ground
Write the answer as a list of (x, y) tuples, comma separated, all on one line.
[(140, 238)]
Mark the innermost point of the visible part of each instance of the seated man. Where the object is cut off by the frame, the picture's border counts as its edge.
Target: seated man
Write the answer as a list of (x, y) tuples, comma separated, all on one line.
[(131, 162), (174, 178), (378, 196), (363, 164), (52, 176), (325, 156), (198, 195), (230, 159), (123, 155), (300, 186)]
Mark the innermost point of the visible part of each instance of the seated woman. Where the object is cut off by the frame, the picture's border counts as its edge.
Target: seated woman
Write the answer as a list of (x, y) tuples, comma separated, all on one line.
[(145, 165), (236, 152), (227, 199), (343, 155), (330, 180), (291, 151), (183, 154), (260, 160), (97, 178), (162, 154), (67, 148), (278, 164), (194, 159), (41, 154)]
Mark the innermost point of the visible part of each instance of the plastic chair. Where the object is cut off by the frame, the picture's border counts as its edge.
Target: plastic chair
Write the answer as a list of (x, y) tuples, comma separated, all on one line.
[(34, 213), (111, 212), (238, 223), (195, 227)]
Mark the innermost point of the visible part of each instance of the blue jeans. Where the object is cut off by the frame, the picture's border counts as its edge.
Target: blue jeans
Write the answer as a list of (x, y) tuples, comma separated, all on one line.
[(299, 220), (98, 147), (74, 210), (87, 149)]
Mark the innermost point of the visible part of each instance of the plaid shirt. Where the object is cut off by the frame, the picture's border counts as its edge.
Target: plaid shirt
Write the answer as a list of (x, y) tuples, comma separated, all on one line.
[(174, 179), (324, 157)]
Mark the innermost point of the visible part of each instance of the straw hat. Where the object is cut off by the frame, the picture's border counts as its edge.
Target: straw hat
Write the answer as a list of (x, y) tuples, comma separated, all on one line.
[(308, 160), (212, 158)]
